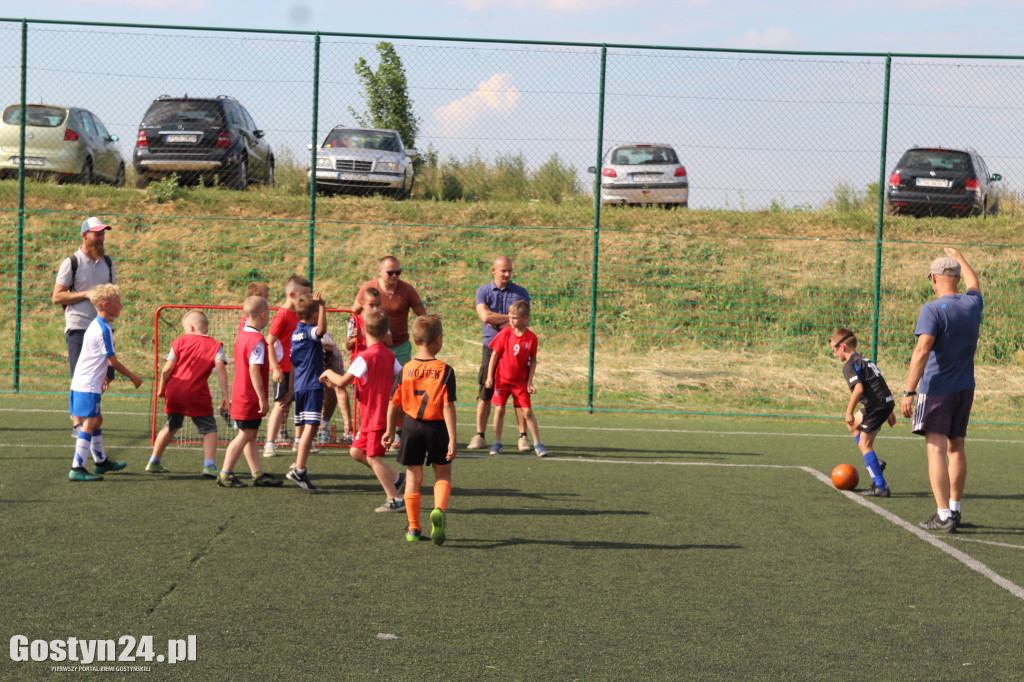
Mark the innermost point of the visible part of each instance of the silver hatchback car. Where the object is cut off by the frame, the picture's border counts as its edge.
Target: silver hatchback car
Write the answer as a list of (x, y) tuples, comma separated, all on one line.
[(364, 161), (67, 143), (643, 174)]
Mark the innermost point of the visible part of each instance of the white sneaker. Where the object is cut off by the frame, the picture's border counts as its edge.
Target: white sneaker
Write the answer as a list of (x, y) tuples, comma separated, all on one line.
[(269, 450), (524, 444), (477, 442)]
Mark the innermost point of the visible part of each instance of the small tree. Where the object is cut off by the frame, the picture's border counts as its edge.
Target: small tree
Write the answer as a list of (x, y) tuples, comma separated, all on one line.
[(387, 96)]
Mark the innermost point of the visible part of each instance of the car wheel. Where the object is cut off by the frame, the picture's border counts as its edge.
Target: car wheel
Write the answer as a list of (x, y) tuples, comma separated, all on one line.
[(119, 180), (269, 179), (141, 180), (85, 177), (239, 178)]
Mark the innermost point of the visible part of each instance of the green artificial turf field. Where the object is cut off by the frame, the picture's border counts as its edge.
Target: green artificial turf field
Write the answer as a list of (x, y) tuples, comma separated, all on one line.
[(643, 548)]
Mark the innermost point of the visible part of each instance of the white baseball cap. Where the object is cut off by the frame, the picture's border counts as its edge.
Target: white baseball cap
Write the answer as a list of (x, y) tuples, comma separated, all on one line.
[(94, 224)]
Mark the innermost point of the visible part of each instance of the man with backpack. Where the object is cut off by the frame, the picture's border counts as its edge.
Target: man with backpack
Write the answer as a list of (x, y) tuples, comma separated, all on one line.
[(78, 275)]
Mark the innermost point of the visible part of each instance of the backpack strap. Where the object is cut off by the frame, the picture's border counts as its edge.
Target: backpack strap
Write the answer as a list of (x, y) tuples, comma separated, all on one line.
[(74, 271), (110, 268)]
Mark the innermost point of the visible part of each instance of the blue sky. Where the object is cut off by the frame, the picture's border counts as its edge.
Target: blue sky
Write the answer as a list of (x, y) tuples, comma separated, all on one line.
[(751, 130)]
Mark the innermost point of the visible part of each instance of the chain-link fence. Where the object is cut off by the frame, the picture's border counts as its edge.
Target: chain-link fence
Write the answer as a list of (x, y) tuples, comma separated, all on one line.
[(633, 313)]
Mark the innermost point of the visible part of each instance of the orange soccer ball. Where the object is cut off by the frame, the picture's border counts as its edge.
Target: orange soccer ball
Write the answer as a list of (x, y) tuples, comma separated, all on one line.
[(845, 477)]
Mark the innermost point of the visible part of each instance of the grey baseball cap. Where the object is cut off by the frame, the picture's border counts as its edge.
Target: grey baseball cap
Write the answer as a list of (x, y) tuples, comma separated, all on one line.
[(945, 266)]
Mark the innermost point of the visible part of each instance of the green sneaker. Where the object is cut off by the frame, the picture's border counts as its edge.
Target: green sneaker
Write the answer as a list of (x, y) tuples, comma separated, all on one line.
[(83, 475), (437, 526), (414, 535), (210, 472), (230, 481), (264, 480), (157, 468), (108, 465)]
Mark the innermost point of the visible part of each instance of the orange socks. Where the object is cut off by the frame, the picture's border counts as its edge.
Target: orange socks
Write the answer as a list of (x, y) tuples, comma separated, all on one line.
[(442, 491), (412, 510)]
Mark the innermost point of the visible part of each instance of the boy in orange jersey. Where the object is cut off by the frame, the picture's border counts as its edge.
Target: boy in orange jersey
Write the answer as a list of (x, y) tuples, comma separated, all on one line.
[(249, 396), (510, 373), (186, 393), (426, 395)]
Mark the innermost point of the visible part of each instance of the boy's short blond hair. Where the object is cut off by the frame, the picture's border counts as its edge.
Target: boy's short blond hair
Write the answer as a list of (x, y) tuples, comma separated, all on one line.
[(197, 319), (843, 335), (376, 323), (261, 289), (519, 308), (102, 294), (306, 307), (426, 329), (296, 282), (254, 305)]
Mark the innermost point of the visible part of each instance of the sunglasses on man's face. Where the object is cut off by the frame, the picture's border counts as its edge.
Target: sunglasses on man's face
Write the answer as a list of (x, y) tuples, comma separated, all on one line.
[(393, 272)]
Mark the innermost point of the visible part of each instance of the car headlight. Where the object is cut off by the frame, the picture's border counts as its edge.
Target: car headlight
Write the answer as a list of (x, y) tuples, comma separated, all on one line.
[(388, 167), (324, 162)]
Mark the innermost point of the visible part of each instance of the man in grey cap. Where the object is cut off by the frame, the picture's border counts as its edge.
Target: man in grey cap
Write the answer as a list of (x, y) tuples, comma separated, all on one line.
[(941, 375), (77, 276)]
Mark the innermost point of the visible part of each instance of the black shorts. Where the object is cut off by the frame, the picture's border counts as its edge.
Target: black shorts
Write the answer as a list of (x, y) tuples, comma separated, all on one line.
[(423, 441), (946, 414), (283, 390), (204, 425), (876, 416), (244, 424), (485, 360)]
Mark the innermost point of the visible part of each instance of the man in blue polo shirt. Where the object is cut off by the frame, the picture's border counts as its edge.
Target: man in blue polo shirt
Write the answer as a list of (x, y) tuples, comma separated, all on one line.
[(941, 375), (492, 302)]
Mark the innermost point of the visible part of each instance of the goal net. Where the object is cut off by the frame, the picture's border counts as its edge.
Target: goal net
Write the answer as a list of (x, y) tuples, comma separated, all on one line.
[(224, 326)]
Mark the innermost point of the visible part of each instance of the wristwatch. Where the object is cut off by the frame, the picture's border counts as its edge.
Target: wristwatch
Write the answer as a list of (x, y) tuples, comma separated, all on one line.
[(907, 394)]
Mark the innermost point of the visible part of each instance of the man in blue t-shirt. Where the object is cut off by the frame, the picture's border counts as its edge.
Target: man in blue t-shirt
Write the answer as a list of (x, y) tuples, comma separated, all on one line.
[(941, 375), (492, 302)]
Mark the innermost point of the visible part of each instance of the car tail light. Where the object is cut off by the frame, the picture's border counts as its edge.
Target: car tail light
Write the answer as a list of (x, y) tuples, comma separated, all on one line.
[(609, 173), (224, 140), (971, 184), (894, 180), (141, 140), (70, 135), (681, 172)]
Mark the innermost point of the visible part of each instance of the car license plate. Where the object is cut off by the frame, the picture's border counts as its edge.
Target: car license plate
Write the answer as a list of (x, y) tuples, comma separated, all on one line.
[(350, 176), (932, 182), (29, 161), (191, 139), (647, 177)]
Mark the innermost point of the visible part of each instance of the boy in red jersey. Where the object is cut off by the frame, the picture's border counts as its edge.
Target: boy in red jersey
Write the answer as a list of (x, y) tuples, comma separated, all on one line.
[(510, 372), (249, 396), (356, 342), (281, 328), (183, 385), (373, 372), (425, 394)]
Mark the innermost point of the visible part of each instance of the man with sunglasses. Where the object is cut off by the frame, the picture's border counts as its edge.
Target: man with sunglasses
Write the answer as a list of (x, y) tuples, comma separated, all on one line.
[(397, 299), (941, 375)]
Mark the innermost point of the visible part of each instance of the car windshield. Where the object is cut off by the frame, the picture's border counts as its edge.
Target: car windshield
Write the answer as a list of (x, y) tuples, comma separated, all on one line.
[(35, 115), (362, 139), (638, 156), (170, 113), (936, 160)]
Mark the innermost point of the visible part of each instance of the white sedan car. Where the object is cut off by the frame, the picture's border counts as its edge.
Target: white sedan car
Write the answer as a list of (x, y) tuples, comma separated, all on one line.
[(643, 174)]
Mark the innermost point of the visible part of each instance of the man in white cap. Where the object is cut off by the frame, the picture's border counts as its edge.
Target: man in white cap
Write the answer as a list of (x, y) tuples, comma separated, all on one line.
[(941, 375), (78, 275)]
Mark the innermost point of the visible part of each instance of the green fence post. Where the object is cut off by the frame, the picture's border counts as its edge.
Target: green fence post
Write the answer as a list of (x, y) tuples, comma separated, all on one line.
[(881, 208), (597, 232), (20, 267), (312, 158)]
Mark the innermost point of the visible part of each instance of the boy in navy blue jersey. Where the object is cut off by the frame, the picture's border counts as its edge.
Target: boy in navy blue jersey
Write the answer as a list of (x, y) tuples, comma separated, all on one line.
[(307, 355), (868, 387)]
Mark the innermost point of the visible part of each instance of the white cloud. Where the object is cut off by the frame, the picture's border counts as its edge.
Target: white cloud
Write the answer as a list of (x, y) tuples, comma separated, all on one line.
[(497, 94), (546, 5), (769, 39), (183, 6)]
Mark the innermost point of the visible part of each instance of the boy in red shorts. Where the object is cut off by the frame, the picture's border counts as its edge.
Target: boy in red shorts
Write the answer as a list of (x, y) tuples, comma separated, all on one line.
[(511, 371), (425, 394), (186, 393), (249, 396), (373, 372)]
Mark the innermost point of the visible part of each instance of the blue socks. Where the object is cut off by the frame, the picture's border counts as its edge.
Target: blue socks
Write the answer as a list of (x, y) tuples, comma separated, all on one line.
[(875, 470), (96, 445), (81, 450)]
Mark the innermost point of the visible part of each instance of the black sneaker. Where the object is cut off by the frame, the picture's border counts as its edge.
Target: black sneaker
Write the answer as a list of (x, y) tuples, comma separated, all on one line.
[(875, 491), (264, 480), (400, 483), (881, 465), (230, 481), (935, 523), (957, 521), (301, 480)]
